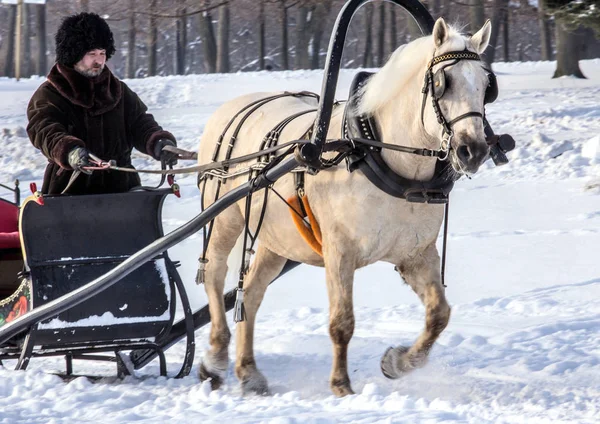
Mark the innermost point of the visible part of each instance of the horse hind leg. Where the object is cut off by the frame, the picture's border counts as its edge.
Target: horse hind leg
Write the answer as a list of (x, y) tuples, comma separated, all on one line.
[(422, 275), (226, 230), (264, 269), (339, 273)]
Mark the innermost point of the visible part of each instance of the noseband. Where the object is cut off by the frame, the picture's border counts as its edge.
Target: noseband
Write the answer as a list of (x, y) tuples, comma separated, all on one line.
[(435, 83)]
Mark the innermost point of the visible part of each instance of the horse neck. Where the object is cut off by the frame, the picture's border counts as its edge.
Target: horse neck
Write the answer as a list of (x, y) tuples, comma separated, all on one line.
[(400, 124)]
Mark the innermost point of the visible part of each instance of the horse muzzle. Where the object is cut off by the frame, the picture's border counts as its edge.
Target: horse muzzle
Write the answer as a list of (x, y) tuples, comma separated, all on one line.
[(469, 155)]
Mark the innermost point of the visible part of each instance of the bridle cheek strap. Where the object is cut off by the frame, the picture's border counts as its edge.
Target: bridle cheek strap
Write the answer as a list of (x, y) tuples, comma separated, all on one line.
[(428, 86)]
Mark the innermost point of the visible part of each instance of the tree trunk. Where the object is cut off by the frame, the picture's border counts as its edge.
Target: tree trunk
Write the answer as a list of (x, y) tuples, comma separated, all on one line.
[(393, 27), (40, 23), (152, 38), (545, 36), (26, 57), (414, 31), (261, 34), (207, 35), (320, 14), (505, 35), (476, 15), (568, 51), (181, 40), (223, 40), (285, 64), (131, 40), (368, 52), (500, 9), (381, 35), (9, 64), (434, 8), (302, 38)]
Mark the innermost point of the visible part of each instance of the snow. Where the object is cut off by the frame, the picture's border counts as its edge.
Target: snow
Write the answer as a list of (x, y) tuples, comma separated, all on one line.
[(523, 343)]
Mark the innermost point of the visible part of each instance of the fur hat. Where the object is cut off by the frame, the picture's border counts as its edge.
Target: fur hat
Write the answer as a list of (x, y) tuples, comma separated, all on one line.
[(79, 34)]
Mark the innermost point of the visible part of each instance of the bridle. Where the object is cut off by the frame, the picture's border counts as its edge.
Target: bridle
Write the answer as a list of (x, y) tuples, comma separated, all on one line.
[(435, 83)]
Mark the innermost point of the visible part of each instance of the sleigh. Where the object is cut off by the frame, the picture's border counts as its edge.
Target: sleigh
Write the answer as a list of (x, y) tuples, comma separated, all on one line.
[(89, 277)]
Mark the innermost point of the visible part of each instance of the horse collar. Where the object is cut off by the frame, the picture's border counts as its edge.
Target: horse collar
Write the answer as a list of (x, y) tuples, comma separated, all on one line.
[(369, 161)]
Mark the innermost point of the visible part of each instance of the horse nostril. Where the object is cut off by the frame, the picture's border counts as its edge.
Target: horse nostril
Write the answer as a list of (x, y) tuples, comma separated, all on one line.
[(464, 153)]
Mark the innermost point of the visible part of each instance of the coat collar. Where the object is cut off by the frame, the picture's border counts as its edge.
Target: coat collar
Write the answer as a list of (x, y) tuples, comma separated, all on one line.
[(99, 94)]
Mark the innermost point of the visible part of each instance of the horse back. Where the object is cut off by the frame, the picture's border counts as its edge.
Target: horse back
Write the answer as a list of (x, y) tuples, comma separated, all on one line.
[(244, 127)]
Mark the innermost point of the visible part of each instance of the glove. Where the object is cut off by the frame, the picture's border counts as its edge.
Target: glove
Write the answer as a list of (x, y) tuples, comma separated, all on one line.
[(169, 158), (78, 158)]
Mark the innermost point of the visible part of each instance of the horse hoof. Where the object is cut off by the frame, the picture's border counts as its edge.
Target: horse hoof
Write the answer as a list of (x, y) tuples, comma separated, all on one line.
[(216, 378), (341, 389), (395, 362), (255, 385)]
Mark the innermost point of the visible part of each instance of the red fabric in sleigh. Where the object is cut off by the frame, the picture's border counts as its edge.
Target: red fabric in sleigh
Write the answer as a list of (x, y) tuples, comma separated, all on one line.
[(9, 225)]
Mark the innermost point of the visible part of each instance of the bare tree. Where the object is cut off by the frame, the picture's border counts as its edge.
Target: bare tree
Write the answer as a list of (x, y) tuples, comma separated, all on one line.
[(9, 63), (223, 39), (381, 35), (476, 15), (393, 27), (207, 36), (317, 25), (285, 65), (261, 34), (545, 35), (499, 13), (26, 36), (569, 48), (152, 40), (131, 40), (304, 14), (368, 51), (181, 39), (40, 25)]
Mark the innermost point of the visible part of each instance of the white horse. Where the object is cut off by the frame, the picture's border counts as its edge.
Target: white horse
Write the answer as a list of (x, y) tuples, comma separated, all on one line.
[(360, 224)]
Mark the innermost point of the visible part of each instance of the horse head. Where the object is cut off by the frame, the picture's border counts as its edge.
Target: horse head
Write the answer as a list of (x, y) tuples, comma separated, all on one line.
[(431, 93), (457, 86)]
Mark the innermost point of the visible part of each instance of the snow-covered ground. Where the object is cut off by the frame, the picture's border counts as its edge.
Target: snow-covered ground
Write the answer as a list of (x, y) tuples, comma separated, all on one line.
[(523, 343)]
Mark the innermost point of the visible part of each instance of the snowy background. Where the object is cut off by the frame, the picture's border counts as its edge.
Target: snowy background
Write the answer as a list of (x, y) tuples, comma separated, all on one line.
[(523, 343)]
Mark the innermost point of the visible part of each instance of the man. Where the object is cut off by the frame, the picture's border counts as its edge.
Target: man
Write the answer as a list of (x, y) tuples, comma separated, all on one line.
[(84, 109)]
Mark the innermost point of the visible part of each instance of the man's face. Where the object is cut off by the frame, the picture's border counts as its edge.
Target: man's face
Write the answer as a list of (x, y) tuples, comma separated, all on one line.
[(92, 64)]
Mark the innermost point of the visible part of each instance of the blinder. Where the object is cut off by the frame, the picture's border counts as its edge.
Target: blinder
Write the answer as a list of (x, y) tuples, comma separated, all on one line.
[(439, 83), (491, 92)]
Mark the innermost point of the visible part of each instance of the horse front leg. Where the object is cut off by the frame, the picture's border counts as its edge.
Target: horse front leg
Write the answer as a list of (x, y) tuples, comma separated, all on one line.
[(340, 278), (226, 229), (264, 269), (423, 276)]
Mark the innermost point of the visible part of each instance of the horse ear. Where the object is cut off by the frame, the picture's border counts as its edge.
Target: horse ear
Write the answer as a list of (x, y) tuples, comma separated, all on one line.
[(481, 38), (440, 32)]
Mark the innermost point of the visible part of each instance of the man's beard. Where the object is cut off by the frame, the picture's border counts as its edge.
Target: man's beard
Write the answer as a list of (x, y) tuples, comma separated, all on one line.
[(91, 72)]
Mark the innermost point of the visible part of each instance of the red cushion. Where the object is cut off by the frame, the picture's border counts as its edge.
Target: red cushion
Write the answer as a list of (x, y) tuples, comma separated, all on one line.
[(9, 217), (10, 240)]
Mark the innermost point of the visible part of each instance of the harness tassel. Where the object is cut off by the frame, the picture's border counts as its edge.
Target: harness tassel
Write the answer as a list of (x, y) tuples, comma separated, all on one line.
[(201, 274), (239, 312)]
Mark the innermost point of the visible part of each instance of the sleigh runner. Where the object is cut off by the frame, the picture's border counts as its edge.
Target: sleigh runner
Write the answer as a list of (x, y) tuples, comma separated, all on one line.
[(115, 292)]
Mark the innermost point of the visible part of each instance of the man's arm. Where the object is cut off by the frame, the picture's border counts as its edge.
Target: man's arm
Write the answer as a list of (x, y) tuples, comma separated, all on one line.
[(143, 129), (48, 128)]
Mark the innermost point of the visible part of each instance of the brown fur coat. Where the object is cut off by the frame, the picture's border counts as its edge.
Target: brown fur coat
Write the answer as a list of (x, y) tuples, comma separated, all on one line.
[(101, 114)]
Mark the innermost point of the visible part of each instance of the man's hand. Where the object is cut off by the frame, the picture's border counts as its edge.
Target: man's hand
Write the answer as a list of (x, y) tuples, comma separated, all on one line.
[(78, 158), (169, 158)]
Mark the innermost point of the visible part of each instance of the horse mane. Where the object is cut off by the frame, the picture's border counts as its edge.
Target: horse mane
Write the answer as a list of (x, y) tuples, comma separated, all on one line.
[(401, 69)]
